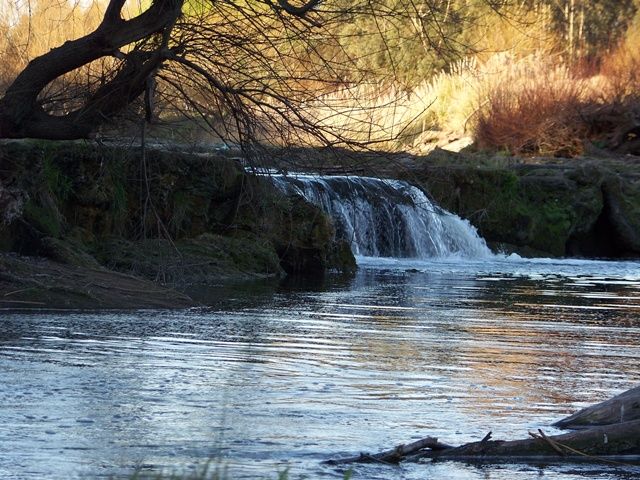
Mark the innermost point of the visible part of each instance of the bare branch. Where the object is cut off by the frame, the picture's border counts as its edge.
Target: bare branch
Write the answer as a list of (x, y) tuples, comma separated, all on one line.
[(114, 10), (300, 11)]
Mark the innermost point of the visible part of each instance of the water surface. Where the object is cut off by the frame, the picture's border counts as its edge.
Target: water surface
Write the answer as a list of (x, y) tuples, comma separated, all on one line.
[(285, 377)]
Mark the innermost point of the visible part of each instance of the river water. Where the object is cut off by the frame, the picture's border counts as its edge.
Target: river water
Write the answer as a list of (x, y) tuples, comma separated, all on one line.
[(283, 377)]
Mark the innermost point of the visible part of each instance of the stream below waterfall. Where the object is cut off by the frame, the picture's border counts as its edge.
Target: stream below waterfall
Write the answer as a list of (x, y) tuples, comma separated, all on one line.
[(278, 377), (434, 336)]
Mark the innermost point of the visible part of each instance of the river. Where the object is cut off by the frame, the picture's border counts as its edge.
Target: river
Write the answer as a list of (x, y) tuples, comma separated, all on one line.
[(276, 377)]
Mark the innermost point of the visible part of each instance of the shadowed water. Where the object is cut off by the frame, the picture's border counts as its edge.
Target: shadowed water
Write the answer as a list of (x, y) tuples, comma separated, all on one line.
[(288, 378)]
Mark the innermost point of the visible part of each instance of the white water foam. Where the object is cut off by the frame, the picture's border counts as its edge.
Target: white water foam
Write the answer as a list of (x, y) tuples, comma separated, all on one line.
[(387, 218), (514, 266)]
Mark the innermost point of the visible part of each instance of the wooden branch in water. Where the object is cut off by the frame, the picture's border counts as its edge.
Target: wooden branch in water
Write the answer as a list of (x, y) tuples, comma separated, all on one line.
[(622, 408), (617, 439), (396, 454), (598, 443)]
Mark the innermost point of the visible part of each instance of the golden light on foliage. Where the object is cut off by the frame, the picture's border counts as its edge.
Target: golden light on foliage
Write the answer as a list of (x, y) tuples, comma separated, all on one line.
[(389, 78)]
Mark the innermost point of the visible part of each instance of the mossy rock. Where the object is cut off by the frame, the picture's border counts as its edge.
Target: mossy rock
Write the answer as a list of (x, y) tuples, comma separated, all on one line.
[(532, 209), (305, 241), (623, 208), (203, 260), (111, 192), (341, 258)]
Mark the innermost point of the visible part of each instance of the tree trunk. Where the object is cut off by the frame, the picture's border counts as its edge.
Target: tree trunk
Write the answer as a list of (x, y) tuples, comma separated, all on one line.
[(21, 112), (623, 408)]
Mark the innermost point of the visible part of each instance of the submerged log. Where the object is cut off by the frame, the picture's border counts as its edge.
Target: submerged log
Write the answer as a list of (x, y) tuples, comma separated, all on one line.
[(622, 408), (396, 454), (604, 442), (609, 440)]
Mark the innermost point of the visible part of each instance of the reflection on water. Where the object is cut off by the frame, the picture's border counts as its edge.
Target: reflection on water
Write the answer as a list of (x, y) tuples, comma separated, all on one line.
[(270, 379)]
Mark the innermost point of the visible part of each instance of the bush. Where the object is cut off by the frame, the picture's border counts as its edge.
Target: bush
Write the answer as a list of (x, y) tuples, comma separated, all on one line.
[(539, 107), (534, 108)]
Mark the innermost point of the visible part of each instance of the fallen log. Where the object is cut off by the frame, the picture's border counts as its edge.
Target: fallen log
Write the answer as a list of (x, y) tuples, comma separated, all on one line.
[(622, 408), (606, 443), (597, 443), (394, 455)]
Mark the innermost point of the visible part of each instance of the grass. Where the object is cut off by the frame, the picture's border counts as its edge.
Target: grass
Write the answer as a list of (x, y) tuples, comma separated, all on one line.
[(532, 105), (213, 471), (395, 118)]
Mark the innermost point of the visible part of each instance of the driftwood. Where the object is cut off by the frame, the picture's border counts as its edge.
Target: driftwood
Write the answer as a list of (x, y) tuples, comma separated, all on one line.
[(609, 440), (613, 442), (623, 408), (396, 454)]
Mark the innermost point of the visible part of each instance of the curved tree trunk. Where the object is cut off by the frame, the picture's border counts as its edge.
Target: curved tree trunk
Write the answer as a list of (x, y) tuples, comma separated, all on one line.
[(21, 113), (146, 37)]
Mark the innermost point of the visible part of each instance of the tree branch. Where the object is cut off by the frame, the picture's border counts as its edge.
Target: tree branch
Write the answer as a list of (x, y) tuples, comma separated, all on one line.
[(20, 112), (113, 12), (300, 11)]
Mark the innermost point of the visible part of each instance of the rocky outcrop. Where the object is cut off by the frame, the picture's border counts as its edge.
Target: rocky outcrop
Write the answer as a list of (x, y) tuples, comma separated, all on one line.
[(621, 194), (581, 207), (303, 241), (171, 217)]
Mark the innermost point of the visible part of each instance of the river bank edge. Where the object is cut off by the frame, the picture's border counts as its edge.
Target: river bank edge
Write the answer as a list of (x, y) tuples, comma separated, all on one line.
[(91, 226), (94, 226)]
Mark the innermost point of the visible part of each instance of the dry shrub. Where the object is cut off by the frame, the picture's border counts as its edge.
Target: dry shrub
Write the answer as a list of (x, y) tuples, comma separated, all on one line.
[(617, 120), (534, 107), (622, 72), (537, 106)]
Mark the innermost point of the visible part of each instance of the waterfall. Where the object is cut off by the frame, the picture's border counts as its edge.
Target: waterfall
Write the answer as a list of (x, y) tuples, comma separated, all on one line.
[(387, 218)]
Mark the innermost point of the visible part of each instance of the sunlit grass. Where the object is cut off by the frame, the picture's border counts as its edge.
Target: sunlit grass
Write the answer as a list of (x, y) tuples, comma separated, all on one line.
[(394, 118), (537, 104)]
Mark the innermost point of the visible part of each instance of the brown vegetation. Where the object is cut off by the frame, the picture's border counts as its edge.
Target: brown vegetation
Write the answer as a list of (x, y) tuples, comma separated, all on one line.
[(510, 74), (555, 108), (534, 109)]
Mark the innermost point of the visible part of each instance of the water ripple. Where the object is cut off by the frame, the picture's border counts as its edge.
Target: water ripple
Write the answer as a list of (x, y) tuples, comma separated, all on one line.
[(302, 375)]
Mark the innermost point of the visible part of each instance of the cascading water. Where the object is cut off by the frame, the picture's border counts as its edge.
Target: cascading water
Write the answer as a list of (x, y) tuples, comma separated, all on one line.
[(387, 218)]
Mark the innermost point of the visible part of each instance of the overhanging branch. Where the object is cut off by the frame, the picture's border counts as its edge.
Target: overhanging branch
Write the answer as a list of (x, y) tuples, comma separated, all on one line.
[(300, 11)]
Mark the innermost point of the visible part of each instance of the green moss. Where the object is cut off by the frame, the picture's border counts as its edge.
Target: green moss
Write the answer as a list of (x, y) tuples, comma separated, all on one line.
[(537, 208), (104, 193), (551, 227), (119, 202)]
